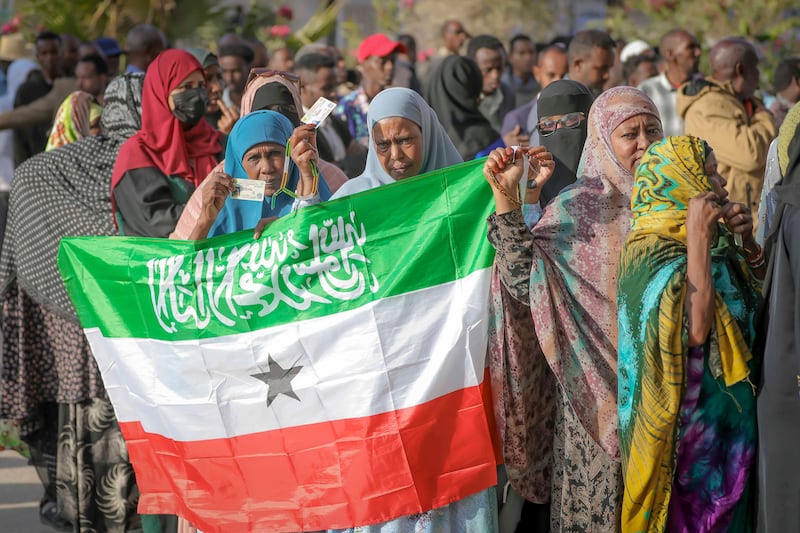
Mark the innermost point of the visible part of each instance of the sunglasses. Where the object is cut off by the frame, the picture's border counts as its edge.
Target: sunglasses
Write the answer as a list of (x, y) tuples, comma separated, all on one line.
[(261, 72), (570, 120)]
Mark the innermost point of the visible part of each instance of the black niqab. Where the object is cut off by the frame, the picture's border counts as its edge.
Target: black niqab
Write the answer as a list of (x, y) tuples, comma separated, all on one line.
[(566, 144), (276, 97)]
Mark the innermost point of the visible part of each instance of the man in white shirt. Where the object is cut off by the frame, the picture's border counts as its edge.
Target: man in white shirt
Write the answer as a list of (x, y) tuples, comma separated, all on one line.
[(681, 54)]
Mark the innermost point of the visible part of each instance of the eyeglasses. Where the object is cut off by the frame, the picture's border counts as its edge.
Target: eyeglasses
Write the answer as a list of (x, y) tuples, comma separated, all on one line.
[(260, 72), (570, 120)]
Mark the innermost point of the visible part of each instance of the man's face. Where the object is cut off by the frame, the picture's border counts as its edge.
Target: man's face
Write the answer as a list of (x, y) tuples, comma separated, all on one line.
[(69, 52), (315, 86), (88, 49), (113, 65), (48, 54), (378, 71), (89, 80), (234, 72), (522, 57), (552, 67), (492, 64), (645, 70), (746, 84), (155, 49), (282, 59), (686, 55), (214, 86), (593, 70), (454, 37)]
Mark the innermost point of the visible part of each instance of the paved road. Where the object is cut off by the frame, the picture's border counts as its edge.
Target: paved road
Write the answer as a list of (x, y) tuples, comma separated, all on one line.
[(20, 491)]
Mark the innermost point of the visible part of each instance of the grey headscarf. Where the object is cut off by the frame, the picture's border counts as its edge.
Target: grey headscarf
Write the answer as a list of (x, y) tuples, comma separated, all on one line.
[(439, 150), (66, 192)]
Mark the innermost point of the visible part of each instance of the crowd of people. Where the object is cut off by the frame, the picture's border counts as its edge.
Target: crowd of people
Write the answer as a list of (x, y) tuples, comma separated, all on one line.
[(645, 299)]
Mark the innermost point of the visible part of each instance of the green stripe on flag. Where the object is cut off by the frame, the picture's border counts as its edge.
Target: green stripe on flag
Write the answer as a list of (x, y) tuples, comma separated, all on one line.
[(319, 261)]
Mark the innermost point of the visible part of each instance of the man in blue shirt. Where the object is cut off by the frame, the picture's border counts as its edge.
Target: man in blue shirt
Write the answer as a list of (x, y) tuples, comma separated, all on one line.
[(144, 42)]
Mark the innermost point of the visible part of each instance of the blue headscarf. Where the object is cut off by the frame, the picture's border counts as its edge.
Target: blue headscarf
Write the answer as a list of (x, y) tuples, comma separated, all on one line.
[(252, 129)]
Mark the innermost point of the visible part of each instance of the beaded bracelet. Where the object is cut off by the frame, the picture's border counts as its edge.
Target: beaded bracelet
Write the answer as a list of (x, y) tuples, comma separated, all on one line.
[(285, 178), (496, 185)]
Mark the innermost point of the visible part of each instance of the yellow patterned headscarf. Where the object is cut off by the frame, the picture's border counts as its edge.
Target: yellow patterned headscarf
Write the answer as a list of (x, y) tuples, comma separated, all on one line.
[(74, 119), (670, 174), (652, 340), (786, 134)]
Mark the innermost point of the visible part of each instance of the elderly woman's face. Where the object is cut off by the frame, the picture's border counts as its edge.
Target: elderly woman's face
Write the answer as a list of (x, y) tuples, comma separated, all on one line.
[(632, 137), (398, 145), (264, 162)]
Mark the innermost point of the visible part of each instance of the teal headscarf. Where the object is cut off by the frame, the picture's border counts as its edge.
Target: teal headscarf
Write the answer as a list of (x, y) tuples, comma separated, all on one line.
[(252, 129)]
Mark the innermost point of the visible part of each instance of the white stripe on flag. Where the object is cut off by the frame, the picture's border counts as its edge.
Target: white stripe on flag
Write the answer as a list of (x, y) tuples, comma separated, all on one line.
[(390, 354)]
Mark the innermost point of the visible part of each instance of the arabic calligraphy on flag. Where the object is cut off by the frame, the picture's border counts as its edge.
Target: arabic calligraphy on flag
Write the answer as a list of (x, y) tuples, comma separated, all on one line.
[(328, 375)]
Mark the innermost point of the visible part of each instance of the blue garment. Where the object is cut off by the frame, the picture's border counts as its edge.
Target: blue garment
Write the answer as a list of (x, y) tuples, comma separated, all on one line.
[(133, 69), (252, 129), (488, 150)]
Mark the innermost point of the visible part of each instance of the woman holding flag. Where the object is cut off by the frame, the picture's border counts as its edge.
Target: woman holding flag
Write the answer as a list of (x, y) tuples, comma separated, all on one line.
[(262, 147), (406, 140)]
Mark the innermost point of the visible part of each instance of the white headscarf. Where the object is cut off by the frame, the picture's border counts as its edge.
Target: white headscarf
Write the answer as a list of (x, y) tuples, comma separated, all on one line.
[(18, 73), (439, 150)]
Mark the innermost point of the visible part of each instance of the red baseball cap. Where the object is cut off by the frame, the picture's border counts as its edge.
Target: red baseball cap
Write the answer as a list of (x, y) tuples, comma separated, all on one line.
[(379, 45)]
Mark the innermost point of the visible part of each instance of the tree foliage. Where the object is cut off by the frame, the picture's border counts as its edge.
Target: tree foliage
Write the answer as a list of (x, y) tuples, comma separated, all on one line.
[(89, 19), (503, 18), (772, 25)]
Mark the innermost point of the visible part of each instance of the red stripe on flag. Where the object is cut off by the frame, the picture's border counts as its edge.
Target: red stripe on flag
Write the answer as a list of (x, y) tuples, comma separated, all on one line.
[(338, 474)]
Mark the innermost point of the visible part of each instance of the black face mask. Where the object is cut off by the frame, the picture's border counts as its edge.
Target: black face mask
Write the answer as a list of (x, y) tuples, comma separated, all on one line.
[(190, 105)]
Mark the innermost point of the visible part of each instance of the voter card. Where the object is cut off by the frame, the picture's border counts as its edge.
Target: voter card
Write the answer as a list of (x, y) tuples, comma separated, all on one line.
[(319, 111), (244, 189)]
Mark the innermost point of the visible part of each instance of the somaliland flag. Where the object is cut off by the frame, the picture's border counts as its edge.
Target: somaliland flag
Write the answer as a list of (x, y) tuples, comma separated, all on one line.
[(327, 375)]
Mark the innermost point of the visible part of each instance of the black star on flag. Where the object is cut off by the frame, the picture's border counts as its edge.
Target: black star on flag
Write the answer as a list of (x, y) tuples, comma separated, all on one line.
[(278, 380)]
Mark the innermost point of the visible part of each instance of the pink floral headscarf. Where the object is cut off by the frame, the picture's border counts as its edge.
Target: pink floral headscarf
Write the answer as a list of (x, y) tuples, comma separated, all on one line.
[(573, 288)]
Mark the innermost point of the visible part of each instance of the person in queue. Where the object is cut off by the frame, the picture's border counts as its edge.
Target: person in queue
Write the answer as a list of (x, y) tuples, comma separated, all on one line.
[(76, 118), (234, 63), (376, 55), (562, 129), (317, 73), (51, 383), (257, 150), (680, 53), (687, 300), (143, 44), (454, 91), (591, 56), (218, 115), (407, 139), (778, 394), (519, 125), (91, 73), (555, 301), (158, 168), (279, 91), (496, 98)]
